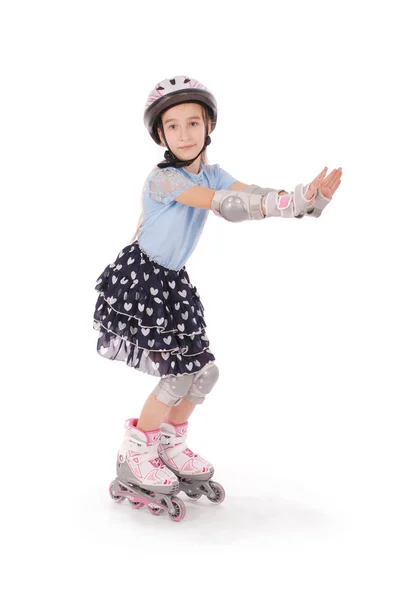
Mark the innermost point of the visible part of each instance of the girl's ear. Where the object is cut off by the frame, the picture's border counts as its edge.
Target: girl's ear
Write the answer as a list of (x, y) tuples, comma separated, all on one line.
[(159, 132)]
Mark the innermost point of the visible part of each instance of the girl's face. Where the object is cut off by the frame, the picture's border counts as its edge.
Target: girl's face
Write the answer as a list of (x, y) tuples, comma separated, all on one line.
[(183, 126)]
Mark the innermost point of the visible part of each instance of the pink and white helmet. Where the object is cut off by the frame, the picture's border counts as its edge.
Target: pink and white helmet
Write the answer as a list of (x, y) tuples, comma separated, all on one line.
[(169, 92)]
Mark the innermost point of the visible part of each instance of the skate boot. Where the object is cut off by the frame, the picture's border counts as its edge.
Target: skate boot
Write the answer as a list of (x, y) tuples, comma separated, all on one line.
[(194, 473), (142, 477)]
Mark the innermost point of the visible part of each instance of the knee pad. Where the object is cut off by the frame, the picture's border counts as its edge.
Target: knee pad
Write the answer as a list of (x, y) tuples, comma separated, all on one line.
[(202, 383), (171, 390)]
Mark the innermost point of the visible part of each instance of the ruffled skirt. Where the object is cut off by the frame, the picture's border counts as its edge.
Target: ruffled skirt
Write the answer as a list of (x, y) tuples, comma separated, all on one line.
[(150, 317)]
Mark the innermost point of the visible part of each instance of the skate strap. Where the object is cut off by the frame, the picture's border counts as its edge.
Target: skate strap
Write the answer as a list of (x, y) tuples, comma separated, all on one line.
[(137, 447), (169, 439), (172, 452)]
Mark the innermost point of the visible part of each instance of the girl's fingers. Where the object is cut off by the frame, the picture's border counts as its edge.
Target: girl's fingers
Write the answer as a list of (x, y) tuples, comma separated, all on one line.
[(329, 182), (321, 174), (336, 179), (316, 182), (332, 174), (332, 177)]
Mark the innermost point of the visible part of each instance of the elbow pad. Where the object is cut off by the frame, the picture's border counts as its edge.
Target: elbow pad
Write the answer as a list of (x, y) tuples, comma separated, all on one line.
[(236, 206), (233, 211)]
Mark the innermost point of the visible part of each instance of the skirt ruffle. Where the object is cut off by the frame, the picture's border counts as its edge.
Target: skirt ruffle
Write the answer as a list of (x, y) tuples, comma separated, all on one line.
[(150, 317)]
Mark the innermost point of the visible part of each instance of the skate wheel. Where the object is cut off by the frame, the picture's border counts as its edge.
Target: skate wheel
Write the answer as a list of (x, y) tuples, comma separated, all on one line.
[(155, 510), (114, 489), (193, 496), (135, 504), (218, 491), (179, 509)]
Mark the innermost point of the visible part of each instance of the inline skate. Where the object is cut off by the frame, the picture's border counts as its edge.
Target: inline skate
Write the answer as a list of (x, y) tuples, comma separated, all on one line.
[(193, 472), (142, 477)]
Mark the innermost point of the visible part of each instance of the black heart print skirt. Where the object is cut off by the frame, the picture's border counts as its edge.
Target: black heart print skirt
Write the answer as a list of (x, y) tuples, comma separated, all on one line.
[(150, 317)]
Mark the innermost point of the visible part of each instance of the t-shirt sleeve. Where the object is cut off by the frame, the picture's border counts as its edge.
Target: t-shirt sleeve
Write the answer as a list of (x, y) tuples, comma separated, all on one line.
[(166, 184), (223, 179)]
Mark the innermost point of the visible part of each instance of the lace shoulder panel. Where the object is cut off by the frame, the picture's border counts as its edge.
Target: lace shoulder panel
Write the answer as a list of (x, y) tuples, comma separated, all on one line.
[(166, 184)]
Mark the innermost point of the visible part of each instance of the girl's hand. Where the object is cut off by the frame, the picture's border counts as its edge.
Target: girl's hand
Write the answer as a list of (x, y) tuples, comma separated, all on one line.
[(327, 185), (330, 184)]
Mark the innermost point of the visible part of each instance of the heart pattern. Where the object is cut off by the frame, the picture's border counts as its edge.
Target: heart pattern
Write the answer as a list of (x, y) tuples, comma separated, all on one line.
[(149, 317)]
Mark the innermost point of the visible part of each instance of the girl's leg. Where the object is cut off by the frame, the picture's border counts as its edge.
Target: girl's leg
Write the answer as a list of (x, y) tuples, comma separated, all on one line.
[(153, 414), (171, 390), (181, 413)]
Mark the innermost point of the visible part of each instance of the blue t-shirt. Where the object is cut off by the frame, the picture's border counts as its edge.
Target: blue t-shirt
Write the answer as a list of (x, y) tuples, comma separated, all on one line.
[(170, 230)]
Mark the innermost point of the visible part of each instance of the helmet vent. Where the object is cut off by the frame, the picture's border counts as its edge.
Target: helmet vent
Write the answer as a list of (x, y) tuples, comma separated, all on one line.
[(172, 81)]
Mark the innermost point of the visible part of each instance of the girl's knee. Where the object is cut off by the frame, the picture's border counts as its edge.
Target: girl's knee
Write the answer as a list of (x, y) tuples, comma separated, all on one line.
[(170, 390), (203, 383)]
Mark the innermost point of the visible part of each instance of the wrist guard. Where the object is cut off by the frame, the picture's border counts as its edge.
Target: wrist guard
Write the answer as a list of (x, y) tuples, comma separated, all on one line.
[(317, 207)]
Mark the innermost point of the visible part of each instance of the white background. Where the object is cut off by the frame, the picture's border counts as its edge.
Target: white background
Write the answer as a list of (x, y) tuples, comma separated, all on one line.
[(303, 315)]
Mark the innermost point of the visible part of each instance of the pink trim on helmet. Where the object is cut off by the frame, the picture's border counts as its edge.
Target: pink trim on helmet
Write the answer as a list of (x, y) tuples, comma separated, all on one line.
[(156, 93)]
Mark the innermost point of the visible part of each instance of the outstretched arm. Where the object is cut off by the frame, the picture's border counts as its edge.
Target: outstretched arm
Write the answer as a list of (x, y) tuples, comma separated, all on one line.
[(239, 205), (254, 202), (236, 205)]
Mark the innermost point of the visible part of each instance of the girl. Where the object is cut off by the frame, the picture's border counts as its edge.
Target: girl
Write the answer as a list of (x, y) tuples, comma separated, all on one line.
[(150, 315)]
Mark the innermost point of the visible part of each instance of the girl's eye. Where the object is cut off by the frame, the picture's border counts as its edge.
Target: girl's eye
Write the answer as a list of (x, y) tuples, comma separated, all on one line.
[(192, 122)]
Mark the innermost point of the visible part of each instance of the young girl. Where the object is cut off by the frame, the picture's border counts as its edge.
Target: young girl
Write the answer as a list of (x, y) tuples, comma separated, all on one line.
[(148, 312)]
